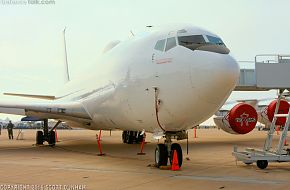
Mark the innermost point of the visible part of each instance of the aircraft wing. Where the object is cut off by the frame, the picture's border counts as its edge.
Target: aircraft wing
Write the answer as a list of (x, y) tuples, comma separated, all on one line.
[(253, 102), (46, 109)]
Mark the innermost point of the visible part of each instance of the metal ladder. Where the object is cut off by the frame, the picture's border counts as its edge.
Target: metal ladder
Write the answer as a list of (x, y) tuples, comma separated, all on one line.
[(269, 139)]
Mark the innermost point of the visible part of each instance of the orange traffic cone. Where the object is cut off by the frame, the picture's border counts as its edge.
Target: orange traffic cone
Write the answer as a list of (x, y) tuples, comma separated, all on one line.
[(175, 165)]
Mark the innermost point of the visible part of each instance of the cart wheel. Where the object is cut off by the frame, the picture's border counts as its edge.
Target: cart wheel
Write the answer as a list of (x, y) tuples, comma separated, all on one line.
[(248, 163), (262, 164)]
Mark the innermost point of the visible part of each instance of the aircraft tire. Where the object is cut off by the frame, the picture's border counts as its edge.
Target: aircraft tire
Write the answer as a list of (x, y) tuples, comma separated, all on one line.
[(134, 136), (51, 138), (161, 155), (39, 138), (177, 147), (124, 136), (129, 137)]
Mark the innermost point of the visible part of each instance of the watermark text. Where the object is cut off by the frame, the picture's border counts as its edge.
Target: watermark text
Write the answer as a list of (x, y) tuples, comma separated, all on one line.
[(27, 2)]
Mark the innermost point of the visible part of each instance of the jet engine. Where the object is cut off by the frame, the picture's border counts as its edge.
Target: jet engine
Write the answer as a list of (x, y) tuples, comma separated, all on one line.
[(241, 119), (268, 112)]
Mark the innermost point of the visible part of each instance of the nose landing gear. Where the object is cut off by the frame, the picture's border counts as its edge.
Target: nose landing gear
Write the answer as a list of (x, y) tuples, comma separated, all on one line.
[(165, 151)]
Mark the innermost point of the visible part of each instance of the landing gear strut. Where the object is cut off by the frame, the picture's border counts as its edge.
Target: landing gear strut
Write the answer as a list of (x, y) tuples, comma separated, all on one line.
[(165, 151)]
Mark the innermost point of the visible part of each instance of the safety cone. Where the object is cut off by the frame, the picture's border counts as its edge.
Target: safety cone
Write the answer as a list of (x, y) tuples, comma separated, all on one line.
[(175, 165)]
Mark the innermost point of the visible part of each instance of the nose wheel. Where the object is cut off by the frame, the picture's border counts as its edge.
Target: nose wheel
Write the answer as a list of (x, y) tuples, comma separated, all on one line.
[(176, 147), (161, 155)]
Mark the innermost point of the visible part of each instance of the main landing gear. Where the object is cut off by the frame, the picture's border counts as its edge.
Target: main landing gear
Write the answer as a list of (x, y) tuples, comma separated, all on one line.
[(165, 152), (46, 134), (130, 137)]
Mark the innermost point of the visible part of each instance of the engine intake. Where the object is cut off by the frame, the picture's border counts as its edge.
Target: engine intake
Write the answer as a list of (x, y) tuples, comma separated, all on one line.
[(269, 111), (241, 119)]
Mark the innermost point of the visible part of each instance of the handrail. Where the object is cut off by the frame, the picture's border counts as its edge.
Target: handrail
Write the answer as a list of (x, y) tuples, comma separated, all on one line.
[(277, 58)]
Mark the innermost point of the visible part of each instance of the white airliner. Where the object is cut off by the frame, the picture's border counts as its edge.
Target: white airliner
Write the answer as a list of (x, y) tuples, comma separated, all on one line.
[(164, 82)]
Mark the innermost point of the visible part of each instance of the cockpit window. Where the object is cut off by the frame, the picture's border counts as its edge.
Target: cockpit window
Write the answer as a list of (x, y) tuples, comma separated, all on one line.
[(215, 40), (203, 43), (171, 43), (190, 40), (160, 45)]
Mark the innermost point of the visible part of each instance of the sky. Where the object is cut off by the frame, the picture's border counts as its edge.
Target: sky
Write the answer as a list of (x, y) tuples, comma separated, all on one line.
[(31, 49)]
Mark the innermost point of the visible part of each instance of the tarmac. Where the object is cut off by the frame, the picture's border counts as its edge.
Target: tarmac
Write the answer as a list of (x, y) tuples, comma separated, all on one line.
[(74, 164)]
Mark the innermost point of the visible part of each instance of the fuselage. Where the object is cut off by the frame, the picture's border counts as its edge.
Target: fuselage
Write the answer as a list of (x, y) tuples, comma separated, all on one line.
[(191, 68)]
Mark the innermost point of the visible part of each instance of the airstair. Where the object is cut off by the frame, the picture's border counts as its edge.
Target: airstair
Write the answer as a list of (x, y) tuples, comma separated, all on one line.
[(268, 74)]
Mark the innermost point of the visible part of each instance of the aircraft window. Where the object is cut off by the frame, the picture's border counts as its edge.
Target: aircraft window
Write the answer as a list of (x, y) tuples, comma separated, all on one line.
[(160, 45), (171, 43), (215, 40), (189, 40), (197, 42)]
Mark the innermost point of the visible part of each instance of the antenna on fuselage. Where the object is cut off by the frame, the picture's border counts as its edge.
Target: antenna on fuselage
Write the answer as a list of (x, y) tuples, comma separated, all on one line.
[(132, 33), (65, 57)]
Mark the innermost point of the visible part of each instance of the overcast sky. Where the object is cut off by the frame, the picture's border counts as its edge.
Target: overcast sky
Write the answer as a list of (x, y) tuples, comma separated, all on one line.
[(31, 51)]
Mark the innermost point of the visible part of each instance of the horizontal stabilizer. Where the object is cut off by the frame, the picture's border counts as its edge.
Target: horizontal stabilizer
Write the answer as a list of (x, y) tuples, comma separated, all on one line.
[(45, 97)]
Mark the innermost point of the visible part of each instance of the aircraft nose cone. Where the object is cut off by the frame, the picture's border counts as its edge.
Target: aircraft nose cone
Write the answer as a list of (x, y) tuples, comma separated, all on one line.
[(219, 76)]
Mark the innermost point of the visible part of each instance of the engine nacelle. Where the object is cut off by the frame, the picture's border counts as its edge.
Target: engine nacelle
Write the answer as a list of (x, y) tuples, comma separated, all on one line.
[(241, 119), (268, 112)]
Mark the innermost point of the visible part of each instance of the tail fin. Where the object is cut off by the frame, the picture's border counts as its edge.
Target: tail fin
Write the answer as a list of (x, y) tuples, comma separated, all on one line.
[(67, 78)]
